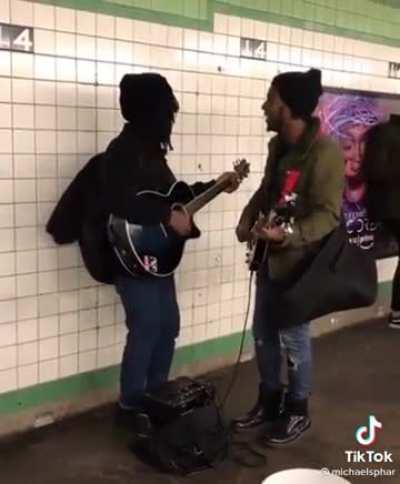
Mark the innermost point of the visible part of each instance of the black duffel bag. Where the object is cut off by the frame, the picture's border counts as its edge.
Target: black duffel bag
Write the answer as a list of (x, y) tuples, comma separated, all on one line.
[(341, 276), (195, 441), (186, 431)]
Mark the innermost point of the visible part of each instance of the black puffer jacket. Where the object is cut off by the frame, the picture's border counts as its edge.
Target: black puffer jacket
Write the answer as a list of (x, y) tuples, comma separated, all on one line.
[(108, 183), (131, 168)]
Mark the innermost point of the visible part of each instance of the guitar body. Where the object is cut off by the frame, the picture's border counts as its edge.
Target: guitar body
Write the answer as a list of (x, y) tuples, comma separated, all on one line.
[(256, 254), (151, 249), (281, 216), (158, 249)]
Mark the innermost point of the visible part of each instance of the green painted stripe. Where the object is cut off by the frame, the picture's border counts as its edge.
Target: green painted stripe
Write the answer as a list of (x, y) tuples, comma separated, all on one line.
[(326, 26), (108, 378), (210, 349), (372, 25), (384, 290), (78, 385), (167, 12), (54, 391)]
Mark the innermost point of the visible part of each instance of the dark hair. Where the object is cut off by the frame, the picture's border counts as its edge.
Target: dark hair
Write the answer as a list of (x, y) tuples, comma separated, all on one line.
[(382, 154), (395, 119)]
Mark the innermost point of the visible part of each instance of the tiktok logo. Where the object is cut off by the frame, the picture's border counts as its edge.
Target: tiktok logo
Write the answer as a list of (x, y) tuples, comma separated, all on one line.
[(366, 434)]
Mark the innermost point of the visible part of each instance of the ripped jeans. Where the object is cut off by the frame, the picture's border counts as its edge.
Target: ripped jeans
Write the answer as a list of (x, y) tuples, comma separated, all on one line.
[(270, 340)]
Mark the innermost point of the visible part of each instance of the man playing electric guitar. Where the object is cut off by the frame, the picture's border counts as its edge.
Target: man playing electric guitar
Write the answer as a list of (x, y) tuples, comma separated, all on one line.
[(299, 149), (281, 216), (135, 161)]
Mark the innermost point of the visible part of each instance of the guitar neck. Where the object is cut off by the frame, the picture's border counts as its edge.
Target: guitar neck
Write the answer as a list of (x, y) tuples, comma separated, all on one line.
[(204, 198)]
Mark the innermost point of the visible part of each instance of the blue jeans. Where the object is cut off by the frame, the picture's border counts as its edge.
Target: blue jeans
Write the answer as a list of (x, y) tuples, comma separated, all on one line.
[(270, 340), (152, 318)]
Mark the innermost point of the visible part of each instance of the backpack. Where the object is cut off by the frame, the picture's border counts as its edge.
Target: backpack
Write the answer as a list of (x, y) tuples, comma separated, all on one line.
[(81, 215), (185, 432), (194, 441)]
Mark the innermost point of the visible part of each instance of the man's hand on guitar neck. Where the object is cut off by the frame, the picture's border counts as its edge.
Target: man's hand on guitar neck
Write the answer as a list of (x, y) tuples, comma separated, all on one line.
[(181, 222), (232, 179)]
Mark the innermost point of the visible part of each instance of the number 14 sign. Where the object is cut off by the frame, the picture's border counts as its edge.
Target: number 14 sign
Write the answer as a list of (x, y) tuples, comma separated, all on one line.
[(253, 48), (15, 37)]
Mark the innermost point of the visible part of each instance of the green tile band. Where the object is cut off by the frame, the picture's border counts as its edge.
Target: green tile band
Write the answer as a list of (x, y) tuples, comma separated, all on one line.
[(375, 28), (378, 21), (107, 378), (196, 14)]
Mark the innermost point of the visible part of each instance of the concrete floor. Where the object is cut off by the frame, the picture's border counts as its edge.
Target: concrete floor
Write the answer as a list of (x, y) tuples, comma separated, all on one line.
[(357, 373)]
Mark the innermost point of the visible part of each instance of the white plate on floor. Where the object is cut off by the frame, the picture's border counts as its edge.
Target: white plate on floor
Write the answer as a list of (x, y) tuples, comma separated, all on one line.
[(304, 476)]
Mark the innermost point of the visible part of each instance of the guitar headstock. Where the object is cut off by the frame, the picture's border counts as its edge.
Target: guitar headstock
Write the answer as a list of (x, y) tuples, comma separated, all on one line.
[(242, 168)]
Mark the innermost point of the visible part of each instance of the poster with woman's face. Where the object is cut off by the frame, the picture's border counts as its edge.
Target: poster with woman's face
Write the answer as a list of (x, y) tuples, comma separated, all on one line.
[(347, 118)]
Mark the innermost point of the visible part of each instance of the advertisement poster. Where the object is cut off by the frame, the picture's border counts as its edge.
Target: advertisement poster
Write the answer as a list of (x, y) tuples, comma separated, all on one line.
[(347, 117)]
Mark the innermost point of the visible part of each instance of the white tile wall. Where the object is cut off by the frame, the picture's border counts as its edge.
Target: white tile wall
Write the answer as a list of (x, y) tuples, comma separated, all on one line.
[(60, 105)]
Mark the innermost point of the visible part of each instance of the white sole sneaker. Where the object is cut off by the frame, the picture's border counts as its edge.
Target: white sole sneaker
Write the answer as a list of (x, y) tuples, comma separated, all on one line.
[(394, 320)]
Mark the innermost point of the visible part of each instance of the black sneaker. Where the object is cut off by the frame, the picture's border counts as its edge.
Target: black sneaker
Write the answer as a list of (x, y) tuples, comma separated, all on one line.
[(287, 430), (291, 426), (394, 321)]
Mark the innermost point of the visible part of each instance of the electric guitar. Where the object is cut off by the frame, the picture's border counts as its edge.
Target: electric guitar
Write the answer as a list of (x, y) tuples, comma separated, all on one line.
[(282, 216), (158, 249)]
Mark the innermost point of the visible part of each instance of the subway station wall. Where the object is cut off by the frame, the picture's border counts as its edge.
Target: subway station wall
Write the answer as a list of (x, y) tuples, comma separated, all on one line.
[(59, 330)]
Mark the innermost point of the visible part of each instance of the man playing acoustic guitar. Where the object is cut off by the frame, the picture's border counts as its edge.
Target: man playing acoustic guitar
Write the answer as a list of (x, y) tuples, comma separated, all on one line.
[(136, 161), (297, 154)]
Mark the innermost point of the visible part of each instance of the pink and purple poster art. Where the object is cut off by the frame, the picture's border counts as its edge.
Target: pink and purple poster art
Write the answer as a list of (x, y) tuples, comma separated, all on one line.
[(347, 117)]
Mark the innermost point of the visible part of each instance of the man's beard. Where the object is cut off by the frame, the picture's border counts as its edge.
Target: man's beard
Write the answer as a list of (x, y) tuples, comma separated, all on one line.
[(273, 125)]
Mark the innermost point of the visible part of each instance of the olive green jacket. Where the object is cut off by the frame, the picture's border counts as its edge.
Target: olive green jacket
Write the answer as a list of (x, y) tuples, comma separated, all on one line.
[(320, 193)]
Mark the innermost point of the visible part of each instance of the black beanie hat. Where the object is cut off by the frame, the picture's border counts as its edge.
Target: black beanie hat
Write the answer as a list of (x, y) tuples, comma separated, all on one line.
[(300, 91), (144, 94)]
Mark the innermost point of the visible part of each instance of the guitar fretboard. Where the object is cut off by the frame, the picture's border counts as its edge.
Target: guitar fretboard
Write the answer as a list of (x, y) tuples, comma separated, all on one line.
[(200, 201)]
